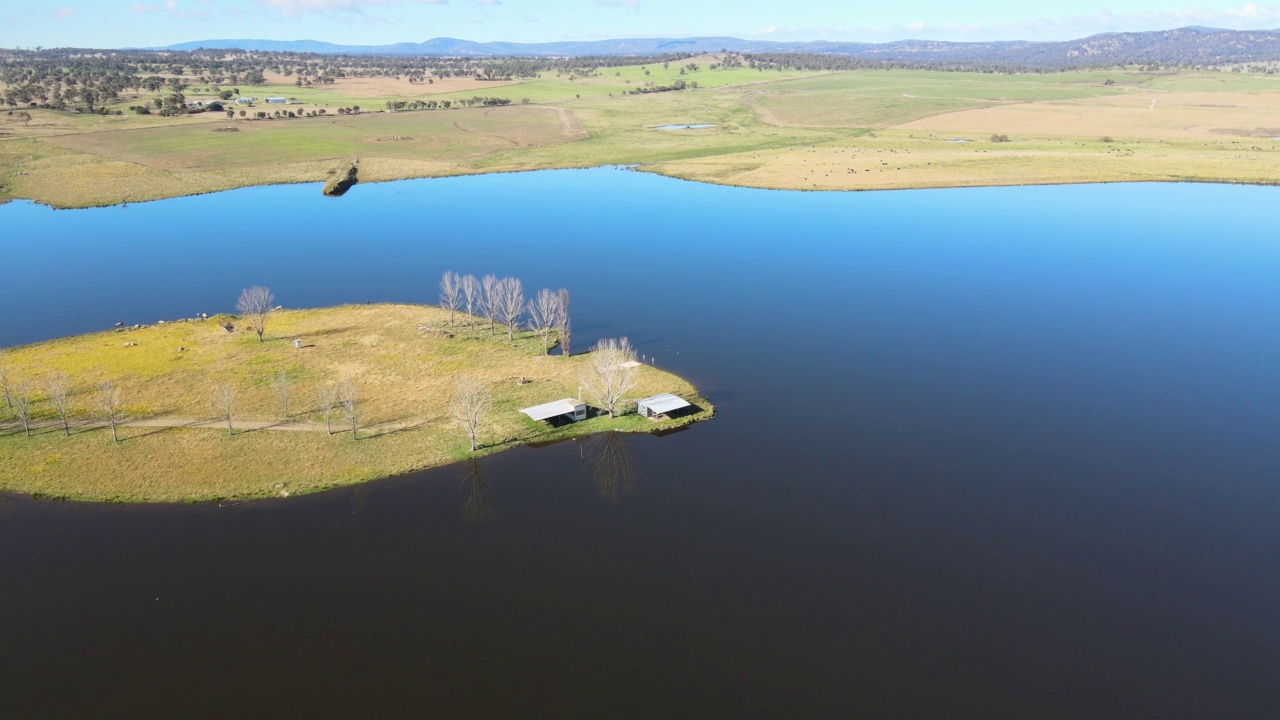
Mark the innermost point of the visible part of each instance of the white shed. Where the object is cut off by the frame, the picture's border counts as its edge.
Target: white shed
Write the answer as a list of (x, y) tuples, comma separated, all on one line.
[(566, 410), (658, 405)]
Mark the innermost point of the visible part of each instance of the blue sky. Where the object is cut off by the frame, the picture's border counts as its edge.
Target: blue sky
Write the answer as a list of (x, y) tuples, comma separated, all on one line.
[(122, 23)]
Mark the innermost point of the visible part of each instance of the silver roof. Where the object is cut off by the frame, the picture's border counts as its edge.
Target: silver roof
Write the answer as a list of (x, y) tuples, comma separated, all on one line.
[(664, 403), (546, 411)]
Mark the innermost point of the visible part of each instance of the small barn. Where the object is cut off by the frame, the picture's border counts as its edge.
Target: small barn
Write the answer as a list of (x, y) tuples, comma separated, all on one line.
[(662, 405), (277, 101), (558, 412), (245, 100)]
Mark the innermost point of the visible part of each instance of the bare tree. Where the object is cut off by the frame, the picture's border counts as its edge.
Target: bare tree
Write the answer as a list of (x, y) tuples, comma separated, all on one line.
[(255, 304), (22, 405), (451, 293), (280, 384), (4, 383), (478, 505), (510, 297), (59, 387), (472, 298), (349, 399), (111, 400), (328, 400), (613, 467), (611, 373), (471, 402), (224, 403), (489, 302), (564, 325), (544, 316)]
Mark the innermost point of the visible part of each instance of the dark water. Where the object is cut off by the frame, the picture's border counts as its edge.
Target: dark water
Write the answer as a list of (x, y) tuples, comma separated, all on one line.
[(980, 453)]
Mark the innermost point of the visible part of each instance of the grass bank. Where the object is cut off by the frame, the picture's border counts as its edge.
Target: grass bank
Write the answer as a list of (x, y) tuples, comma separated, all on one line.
[(403, 358)]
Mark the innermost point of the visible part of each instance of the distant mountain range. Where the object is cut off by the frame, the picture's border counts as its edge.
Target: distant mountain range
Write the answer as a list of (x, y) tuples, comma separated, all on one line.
[(1191, 45)]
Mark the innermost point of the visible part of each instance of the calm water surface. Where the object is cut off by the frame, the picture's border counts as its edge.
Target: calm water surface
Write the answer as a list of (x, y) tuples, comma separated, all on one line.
[(980, 453)]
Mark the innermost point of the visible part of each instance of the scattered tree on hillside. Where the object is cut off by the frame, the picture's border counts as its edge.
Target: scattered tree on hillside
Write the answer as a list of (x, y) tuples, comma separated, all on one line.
[(255, 304), (564, 324), (471, 297), (22, 405), (224, 404), (280, 384), (58, 385), (451, 293), (510, 297), (350, 399), (111, 401), (544, 316), (327, 399), (471, 402), (610, 374)]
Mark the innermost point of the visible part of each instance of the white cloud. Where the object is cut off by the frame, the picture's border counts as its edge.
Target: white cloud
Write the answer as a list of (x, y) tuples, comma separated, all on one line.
[(629, 4), (140, 8), (296, 8), (64, 13)]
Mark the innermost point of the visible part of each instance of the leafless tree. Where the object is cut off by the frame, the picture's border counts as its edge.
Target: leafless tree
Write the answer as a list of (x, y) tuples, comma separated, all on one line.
[(471, 402), (544, 316), (472, 298), (489, 302), (328, 400), (510, 298), (255, 304), (280, 384), (350, 401), (224, 403), (610, 374), (59, 387), (4, 383), (564, 324), (22, 405), (451, 293), (478, 505), (111, 400), (612, 466)]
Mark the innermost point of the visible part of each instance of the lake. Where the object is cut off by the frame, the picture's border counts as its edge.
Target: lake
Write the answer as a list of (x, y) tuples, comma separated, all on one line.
[(1007, 452)]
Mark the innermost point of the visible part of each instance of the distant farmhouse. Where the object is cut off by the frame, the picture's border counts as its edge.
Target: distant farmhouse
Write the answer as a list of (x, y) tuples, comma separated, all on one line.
[(277, 101), (245, 100)]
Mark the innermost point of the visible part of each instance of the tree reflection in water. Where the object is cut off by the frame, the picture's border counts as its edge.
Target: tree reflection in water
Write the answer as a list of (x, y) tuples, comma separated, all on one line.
[(477, 506), (613, 467)]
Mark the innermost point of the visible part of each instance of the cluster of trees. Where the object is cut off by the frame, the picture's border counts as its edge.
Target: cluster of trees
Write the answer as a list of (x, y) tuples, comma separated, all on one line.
[(502, 300), (398, 105), (56, 390), (651, 88), (85, 80)]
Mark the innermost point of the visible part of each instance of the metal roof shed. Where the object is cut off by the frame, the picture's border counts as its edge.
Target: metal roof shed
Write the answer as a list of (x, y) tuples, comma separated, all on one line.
[(663, 404), (568, 407)]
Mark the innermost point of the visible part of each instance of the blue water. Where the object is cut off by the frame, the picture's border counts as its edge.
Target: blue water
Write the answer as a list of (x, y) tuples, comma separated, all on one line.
[(697, 126), (1000, 452)]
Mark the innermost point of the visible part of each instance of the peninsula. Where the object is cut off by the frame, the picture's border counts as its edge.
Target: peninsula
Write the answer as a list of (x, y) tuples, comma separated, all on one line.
[(207, 411)]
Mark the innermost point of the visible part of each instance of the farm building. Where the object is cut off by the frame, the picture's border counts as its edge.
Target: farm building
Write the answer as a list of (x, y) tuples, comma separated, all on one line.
[(560, 411), (245, 100), (660, 405), (277, 101)]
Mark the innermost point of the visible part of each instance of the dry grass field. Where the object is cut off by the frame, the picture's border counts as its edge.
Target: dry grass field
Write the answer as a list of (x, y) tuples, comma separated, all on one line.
[(1166, 115), (404, 359)]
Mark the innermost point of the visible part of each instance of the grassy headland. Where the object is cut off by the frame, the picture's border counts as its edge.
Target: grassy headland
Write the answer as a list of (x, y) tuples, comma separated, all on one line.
[(772, 129), (403, 358)]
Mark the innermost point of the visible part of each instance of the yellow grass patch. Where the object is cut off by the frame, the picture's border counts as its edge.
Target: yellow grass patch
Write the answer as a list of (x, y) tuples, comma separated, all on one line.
[(1136, 114)]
